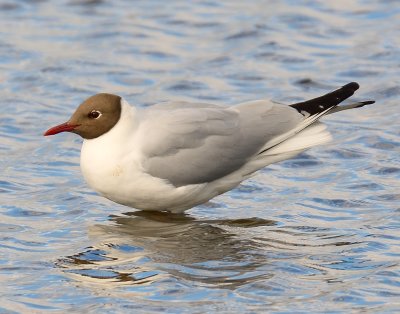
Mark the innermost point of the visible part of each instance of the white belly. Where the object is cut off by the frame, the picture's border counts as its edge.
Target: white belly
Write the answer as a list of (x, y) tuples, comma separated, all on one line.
[(123, 181)]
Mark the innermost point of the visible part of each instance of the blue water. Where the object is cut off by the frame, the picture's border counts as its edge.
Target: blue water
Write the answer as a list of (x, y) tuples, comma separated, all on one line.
[(318, 233)]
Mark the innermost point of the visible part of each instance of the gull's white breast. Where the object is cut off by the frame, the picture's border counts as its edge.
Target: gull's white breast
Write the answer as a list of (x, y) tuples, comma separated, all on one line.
[(112, 164)]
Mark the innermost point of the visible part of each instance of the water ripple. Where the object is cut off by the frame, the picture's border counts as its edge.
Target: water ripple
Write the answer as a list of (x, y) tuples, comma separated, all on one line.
[(317, 233)]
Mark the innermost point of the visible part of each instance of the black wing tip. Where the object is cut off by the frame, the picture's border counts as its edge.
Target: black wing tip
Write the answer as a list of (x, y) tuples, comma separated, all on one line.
[(330, 100), (365, 103), (353, 86), (346, 91), (368, 102)]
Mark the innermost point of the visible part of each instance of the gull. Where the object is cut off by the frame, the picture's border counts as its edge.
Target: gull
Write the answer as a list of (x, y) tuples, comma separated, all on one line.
[(175, 155)]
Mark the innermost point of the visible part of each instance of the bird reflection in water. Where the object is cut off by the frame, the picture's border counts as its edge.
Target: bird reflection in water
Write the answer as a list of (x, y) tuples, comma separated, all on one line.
[(143, 247)]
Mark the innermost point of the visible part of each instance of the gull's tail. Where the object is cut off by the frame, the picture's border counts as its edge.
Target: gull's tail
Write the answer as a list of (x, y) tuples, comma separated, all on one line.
[(306, 134), (310, 132)]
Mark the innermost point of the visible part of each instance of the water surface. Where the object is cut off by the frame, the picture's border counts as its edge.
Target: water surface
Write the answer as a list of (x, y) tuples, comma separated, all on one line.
[(318, 233)]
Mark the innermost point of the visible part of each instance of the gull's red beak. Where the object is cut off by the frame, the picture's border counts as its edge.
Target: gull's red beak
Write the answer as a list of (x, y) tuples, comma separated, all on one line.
[(65, 127)]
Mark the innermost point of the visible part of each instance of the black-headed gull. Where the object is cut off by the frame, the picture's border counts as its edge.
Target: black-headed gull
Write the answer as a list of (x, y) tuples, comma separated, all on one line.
[(176, 155)]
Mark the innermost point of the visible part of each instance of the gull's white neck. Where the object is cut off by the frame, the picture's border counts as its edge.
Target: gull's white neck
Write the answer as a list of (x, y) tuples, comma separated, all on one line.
[(101, 157)]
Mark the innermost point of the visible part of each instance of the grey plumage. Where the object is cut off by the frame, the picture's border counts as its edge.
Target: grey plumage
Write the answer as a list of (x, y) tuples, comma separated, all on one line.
[(202, 142)]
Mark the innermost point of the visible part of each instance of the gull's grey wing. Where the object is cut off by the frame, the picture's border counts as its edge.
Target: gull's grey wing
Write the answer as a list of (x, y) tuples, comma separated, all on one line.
[(188, 143)]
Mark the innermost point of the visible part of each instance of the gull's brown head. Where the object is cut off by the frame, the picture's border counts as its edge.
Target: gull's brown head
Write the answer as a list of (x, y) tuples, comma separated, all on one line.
[(94, 117)]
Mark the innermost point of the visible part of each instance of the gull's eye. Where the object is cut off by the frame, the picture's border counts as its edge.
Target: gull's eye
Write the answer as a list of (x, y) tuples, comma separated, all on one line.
[(94, 114)]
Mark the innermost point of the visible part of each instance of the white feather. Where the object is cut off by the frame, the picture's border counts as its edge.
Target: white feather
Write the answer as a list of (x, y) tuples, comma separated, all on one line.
[(315, 134)]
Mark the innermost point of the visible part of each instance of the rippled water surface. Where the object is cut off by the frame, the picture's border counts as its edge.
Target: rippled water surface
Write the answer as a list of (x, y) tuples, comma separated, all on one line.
[(318, 233)]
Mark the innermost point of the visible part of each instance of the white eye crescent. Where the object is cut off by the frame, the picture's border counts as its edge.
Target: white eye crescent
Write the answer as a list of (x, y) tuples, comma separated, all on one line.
[(94, 114)]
